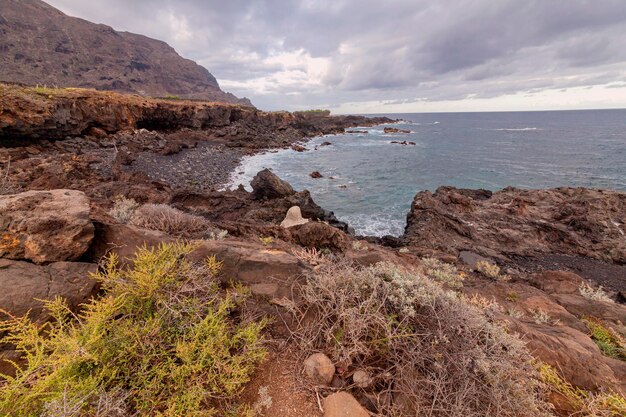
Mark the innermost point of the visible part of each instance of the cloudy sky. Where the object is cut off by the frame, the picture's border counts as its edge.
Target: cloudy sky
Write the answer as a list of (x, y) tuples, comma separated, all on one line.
[(364, 56)]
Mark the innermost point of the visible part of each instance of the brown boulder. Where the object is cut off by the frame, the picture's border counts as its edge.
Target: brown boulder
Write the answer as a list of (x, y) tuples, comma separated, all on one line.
[(568, 221), (315, 175), (124, 240), (45, 226), (319, 368), (267, 185), (320, 235), (271, 272), (343, 404), (557, 282), (24, 283)]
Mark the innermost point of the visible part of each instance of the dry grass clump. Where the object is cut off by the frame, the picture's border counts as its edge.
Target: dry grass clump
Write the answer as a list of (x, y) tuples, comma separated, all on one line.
[(491, 271), (123, 209), (7, 184), (311, 256), (430, 352), (171, 221), (597, 294), (164, 341), (443, 272)]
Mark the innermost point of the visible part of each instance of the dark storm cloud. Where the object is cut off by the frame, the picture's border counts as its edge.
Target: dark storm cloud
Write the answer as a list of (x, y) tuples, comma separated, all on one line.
[(323, 52)]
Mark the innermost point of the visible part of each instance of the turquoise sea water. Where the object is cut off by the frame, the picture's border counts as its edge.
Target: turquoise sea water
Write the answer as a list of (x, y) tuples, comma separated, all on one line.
[(375, 181)]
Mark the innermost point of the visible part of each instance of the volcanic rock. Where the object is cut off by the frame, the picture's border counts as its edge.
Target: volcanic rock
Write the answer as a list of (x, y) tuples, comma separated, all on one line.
[(395, 130), (319, 368), (320, 235), (24, 284), (45, 226), (573, 221), (315, 174), (266, 184), (343, 404)]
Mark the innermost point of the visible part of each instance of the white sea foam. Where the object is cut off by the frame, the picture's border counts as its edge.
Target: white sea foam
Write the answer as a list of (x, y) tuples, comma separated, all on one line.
[(516, 129)]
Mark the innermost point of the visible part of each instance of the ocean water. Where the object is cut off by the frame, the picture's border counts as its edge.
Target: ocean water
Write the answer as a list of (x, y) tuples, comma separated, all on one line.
[(374, 181)]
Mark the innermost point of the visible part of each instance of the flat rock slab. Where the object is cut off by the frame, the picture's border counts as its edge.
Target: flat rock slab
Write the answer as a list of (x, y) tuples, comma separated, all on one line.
[(271, 272), (45, 226), (23, 284)]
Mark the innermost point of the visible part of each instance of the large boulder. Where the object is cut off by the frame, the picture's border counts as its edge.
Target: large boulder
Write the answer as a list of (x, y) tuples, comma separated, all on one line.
[(267, 185), (24, 284), (267, 271), (569, 221), (320, 235), (124, 240), (45, 226)]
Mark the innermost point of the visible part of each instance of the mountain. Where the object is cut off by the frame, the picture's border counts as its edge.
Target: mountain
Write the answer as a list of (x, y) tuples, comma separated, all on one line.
[(41, 45)]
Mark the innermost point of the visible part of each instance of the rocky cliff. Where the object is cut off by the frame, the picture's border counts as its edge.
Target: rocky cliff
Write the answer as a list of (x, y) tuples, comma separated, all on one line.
[(41, 45)]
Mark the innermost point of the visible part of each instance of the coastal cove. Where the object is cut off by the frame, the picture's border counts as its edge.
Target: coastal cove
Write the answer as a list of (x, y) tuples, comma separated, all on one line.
[(369, 181)]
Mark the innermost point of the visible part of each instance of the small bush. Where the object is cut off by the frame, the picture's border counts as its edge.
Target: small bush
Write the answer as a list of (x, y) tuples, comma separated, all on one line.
[(123, 209), (311, 256), (540, 316), (490, 271), (442, 272), (7, 184), (602, 404), (597, 294), (609, 341), (163, 341), (170, 220), (512, 296), (428, 350), (266, 240), (515, 313)]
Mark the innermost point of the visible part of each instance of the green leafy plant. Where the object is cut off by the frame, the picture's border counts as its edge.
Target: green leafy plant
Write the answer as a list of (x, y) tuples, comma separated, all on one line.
[(608, 340), (163, 341)]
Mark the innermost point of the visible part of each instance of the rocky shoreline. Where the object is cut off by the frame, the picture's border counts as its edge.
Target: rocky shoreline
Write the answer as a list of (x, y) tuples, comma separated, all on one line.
[(86, 173)]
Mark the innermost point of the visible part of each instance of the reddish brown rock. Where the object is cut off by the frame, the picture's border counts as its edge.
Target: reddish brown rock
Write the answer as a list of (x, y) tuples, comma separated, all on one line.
[(268, 271), (343, 404), (24, 283), (45, 226), (315, 174), (574, 221), (124, 240), (266, 184), (320, 235), (319, 368)]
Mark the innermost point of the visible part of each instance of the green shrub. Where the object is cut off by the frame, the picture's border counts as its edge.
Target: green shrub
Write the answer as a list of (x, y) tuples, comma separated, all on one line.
[(163, 341), (608, 340)]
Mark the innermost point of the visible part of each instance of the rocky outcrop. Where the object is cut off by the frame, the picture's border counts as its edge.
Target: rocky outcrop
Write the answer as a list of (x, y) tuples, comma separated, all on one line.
[(24, 285), (321, 236), (41, 45), (572, 221), (28, 114), (395, 130), (266, 184), (45, 226)]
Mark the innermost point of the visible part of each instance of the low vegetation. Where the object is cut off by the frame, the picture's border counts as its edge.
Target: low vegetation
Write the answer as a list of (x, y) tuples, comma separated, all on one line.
[(163, 341), (123, 209), (165, 219), (491, 271), (610, 342), (596, 294), (429, 351), (601, 404), (442, 272), (7, 185), (313, 112)]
